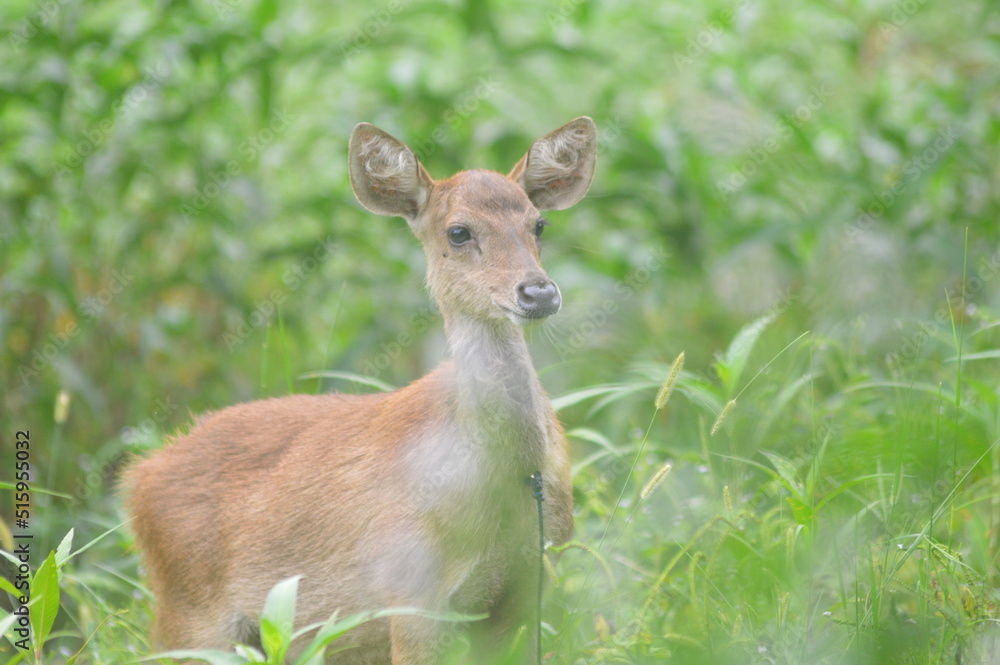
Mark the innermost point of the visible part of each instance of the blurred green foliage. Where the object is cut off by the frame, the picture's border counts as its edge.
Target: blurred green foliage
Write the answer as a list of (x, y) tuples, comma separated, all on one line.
[(178, 233)]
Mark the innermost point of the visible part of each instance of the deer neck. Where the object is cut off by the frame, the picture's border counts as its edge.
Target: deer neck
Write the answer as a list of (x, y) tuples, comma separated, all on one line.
[(499, 400)]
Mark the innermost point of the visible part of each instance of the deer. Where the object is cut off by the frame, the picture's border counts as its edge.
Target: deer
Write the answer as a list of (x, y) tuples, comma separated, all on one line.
[(413, 498)]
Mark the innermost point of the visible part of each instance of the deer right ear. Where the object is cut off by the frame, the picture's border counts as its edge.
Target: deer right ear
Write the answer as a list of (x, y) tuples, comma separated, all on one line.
[(558, 168), (386, 176)]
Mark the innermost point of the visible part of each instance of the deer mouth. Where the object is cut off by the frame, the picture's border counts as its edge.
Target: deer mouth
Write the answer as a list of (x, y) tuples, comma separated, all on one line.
[(522, 316)]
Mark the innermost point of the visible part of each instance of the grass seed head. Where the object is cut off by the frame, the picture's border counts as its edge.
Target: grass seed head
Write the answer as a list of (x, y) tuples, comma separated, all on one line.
[(668, 385), (655, 481), (61, 411), (722, 416)]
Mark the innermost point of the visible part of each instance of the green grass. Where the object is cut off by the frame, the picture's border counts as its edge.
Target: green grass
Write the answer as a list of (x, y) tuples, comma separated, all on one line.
[(830, 519), (801, 198)]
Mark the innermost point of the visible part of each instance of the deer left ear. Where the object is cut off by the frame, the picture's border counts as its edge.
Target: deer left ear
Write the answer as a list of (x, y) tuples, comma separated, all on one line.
[(386, 176), (557, 170)]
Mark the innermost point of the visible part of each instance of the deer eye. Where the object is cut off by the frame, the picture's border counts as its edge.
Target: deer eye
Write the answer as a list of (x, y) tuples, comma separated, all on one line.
[(458, 235), (540, 227)]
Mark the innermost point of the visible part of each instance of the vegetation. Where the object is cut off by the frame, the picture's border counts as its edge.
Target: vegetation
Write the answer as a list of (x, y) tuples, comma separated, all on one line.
[(802, 198)]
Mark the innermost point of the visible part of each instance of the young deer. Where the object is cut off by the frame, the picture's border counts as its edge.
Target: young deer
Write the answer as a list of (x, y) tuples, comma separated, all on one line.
[(418, 497)]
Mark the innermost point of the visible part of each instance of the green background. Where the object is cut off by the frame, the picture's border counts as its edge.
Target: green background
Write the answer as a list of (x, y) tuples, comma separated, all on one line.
[(172, 172)]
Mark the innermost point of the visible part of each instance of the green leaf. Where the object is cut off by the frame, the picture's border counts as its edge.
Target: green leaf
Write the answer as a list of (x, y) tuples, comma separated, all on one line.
[(701, 393), (575, 397), (593, 436), (732, 363), (21, 655), (278, 619), (590, 460), (250, 654), (848, 485), (4, 485), (45, 601), (275, 646), (368, 381), (94, 541), (265, 12), (62, 552), (777, 405), (621, 393), (5, 585), (334, 629), (982, 355), (787, 472), (802, 512), (8, 620)]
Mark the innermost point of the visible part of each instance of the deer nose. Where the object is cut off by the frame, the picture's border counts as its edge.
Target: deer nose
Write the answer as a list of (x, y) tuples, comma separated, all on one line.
[(538, 297)]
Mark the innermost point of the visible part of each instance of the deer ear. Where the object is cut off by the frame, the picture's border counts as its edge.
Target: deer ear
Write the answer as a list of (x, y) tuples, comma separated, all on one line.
[(386, 176), (557, 170)]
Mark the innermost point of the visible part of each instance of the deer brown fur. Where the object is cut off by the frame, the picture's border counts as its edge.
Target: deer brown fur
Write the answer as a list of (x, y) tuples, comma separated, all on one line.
[(415, 498)]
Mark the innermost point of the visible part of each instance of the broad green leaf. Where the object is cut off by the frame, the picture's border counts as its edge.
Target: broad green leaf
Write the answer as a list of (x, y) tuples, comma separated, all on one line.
[(274, 643), (250, 653), (786, 470), (733, 362), (278, 618), (802, 512), (62, 552), (45, 605)]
